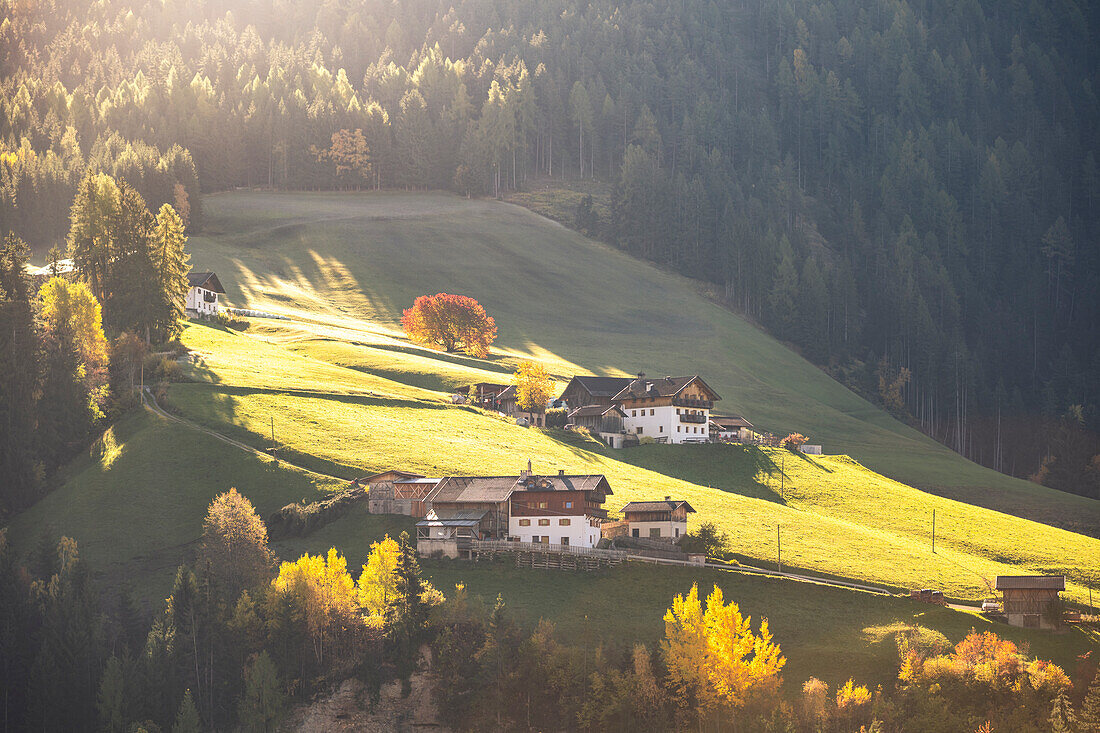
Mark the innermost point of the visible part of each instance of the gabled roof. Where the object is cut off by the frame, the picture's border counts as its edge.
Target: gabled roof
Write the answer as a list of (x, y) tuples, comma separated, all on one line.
[(661, 387), (564, 482), (472, 489), (597, 386), (493, 489), (397, 476), (207, 280), (656, 506), (1031, 582), (595, 411), (418, 480), (730, 421)]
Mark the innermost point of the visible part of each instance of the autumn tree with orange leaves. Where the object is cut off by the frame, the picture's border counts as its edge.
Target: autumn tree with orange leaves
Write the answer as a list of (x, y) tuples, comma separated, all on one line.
[(715, 662), (350, 154), (449, 321)]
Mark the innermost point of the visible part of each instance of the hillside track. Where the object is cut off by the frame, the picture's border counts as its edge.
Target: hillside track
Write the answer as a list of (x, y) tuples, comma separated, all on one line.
[(150, 403)]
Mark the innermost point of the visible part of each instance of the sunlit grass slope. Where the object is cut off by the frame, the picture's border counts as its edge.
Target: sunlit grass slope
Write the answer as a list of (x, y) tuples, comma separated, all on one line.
[(135, 501), (348, 264), (834, 515)]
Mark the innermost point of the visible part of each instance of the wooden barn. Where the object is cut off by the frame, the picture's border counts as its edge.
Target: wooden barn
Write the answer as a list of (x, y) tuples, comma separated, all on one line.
[(1027, 598)]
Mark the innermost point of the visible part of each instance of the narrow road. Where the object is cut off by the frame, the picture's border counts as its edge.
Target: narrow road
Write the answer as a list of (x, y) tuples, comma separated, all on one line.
[(150, 404)]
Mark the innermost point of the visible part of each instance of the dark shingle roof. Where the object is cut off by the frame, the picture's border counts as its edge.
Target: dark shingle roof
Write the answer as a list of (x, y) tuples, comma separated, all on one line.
[(656, 506), (727, 421), (660, 387), (488, 489), (1044, 582), (206, 280), (599, 386)]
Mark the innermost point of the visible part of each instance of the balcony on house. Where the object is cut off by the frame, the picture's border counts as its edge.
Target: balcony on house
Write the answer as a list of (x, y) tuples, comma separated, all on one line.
[(693, 402), (697, 417)]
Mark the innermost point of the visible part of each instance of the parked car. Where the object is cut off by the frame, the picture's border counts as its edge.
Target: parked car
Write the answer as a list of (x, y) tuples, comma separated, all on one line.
[(991, 605)]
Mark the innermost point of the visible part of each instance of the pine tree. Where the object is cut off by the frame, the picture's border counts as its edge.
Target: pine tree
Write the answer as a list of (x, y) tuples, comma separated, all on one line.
[(112, 700), (263, 702), (187, 719), (19, 375), (1090, 708), (1062, 717), (783, 297), (171, 265)]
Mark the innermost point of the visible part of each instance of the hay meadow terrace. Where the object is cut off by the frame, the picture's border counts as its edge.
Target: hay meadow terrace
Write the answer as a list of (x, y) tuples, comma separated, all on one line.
[(349, 395)]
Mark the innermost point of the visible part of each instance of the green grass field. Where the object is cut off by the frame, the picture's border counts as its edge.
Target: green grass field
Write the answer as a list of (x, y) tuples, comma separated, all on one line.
[(348, 264), (349, 395)]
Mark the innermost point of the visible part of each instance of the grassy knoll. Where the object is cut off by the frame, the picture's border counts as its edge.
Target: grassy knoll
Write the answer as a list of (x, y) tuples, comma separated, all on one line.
[(135, 501), (836, 517), (347, 265)]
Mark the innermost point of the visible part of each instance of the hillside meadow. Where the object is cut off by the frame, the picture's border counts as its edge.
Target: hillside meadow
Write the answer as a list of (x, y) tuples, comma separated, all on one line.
[(345, 265), (834, 516)]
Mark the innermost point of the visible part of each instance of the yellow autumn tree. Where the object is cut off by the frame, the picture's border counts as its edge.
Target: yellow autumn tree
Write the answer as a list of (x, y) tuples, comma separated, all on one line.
[(533, 386), (70, 311), (714, 659), (325, 593), (378, 581)]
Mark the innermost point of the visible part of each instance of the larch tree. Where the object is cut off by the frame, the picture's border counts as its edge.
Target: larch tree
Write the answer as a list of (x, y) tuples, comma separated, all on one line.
[(234, 545), (71, 312), (533, 386), (378, 581), (264, 703), (715, 661)]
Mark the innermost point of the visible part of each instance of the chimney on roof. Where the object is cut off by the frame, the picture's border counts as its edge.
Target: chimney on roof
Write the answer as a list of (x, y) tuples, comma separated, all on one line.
[(668, 498), (639, 382), (668, 379), (561, 472)]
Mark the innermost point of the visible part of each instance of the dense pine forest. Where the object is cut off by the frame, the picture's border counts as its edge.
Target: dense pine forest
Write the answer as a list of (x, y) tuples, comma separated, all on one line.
[(905, 190)]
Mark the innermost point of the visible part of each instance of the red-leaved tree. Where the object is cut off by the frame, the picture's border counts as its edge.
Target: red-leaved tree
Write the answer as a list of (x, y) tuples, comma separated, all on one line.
[(450, 321)]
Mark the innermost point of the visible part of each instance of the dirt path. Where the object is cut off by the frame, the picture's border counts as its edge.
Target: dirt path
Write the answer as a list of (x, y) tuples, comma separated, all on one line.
[(150, 404)]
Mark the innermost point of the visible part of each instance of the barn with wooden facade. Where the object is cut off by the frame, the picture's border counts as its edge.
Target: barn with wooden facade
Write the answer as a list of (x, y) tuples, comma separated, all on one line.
[(1027, 598)]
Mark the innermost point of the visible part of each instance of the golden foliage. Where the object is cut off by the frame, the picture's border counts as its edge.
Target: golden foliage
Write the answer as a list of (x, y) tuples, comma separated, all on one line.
[(378, 581), (533, 386), (714, 659)]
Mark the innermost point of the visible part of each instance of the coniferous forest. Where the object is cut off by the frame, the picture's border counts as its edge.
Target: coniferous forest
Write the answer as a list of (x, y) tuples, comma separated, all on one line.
[(907, 191)]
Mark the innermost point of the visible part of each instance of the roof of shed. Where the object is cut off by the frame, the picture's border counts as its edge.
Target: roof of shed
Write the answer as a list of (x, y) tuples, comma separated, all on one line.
[(1031, 582), (599, 386), (595, 411), (656, 506)]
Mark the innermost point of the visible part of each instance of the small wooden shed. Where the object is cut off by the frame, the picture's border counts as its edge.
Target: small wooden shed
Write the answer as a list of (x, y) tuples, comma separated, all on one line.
[(1027, 598)]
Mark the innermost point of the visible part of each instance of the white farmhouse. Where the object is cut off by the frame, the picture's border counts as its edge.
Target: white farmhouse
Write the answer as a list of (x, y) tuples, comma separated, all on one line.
[(558, 510), (658, 520), (202, 298), (669, 409)]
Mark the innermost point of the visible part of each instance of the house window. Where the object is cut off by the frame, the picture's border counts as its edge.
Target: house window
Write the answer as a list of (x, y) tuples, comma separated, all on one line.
[(660, 428), (635, 533), (639, 430), (534, 538), (677, 410), (677, 428), (634, 413), (546, 539), (651, 411), (564, 522), (565, 540), (677, 531), (542, 505), (525, 522), (544, 522), (654, 532), (568, 505)]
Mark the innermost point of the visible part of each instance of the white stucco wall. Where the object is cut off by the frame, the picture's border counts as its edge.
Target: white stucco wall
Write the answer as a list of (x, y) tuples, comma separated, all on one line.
[(663, 421), (196, 302), (580, 531), (668, 529)]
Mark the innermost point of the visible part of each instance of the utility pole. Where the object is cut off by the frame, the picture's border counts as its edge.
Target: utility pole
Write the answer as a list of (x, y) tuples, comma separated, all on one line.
[(933, 531), (782, 473), (779, 545)]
